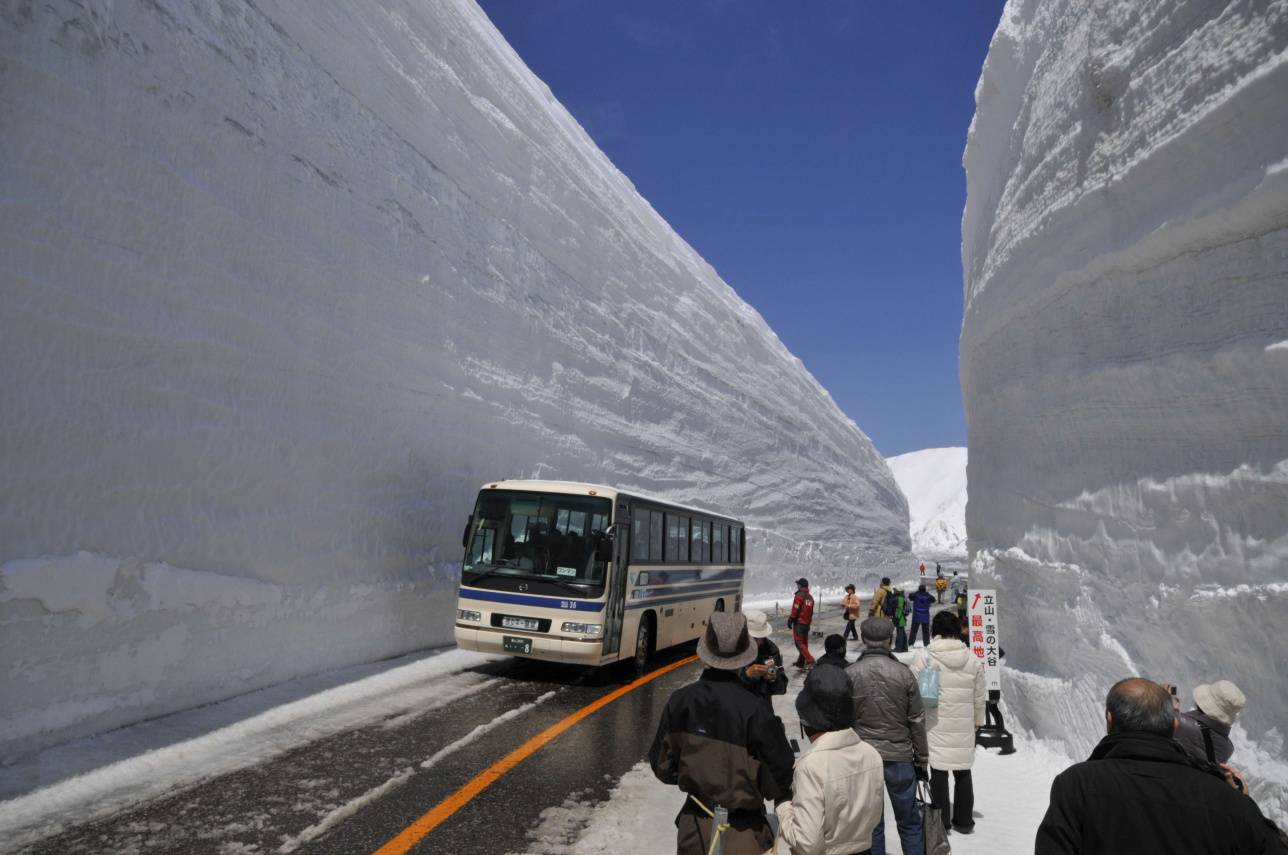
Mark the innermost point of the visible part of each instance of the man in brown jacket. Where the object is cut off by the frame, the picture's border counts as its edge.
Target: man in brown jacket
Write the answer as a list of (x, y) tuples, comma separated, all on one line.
[(888, 715), (723, 747)]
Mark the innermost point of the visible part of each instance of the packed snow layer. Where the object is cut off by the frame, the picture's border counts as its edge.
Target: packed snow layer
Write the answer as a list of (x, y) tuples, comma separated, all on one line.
[(282, 285), (1125, 248), (934, 482)]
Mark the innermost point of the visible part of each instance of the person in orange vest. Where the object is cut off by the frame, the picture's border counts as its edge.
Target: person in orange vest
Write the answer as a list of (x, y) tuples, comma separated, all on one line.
[(851, 606), (799, 621)]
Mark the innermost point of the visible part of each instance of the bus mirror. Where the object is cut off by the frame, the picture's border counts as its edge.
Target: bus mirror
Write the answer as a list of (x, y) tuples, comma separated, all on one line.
[(604, 546), (465, 537)]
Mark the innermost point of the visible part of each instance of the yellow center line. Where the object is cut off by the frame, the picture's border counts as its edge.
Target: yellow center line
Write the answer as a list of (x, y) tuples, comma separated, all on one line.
[(437, 815)]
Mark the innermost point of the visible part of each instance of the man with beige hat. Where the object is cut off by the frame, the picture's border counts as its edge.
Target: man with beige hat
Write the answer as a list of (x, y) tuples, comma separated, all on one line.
[(1204, 732), (723, 748)]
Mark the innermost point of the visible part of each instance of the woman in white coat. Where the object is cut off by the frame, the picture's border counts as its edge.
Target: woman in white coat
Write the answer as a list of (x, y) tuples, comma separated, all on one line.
[(950, 726)]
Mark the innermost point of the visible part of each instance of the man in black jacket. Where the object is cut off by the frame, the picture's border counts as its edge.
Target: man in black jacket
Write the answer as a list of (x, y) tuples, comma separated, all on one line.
[(1139, 793), (723, 747)]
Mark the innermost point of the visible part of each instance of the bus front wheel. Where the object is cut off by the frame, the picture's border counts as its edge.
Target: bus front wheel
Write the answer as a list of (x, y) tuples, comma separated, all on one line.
[(643, 643)]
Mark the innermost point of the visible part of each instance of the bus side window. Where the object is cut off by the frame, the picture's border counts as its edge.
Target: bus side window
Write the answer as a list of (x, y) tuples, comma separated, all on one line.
[(639, 535), (677, 541), (655, 535), (717, 543)]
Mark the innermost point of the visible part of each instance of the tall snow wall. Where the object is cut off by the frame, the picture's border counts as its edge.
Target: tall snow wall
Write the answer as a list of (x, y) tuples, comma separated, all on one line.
[(1124, 354), (283, 283)]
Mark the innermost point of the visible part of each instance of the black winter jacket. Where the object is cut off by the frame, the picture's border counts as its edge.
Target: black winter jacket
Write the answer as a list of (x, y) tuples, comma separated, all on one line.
[(717, 741), (1139, 794)]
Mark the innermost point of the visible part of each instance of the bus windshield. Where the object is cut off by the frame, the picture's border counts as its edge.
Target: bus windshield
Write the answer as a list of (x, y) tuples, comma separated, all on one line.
[(540, 537)]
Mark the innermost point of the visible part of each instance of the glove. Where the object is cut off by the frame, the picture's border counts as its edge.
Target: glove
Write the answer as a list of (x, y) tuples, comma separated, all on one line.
[(790, 623), (923, 774)]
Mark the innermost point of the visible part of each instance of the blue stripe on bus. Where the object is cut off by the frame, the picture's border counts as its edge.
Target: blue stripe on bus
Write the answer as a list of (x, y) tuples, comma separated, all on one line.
[(526, 600), (666, 601), (663, 576)]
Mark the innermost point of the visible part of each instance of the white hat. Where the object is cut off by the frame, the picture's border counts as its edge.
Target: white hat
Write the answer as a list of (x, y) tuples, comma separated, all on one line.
[(758, 624), (1222, 700)]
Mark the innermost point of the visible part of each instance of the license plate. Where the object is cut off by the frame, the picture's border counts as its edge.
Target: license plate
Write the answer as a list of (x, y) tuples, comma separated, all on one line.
[(516, 645), (530, 624)]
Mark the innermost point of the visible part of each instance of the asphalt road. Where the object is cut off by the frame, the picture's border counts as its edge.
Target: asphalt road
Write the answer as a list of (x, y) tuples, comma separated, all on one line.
[(357, 790), (371, 784)]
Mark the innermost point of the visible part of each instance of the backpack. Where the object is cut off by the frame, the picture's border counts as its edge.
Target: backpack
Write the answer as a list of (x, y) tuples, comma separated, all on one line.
[(887, 604), (928, 685)]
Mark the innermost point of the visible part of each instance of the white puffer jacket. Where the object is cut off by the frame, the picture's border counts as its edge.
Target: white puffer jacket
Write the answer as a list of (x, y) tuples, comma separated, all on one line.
[(838, 796), (950, 727)]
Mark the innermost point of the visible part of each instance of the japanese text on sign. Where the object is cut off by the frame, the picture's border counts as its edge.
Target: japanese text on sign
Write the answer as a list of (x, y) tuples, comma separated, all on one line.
[(984, 635)]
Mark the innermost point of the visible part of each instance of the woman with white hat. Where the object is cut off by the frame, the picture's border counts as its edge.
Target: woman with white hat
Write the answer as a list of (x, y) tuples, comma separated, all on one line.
[(1204, 732), (765, 676)]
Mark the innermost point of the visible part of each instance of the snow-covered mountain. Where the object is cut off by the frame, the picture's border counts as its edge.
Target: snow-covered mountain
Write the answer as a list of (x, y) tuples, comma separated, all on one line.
[(1124, 353), (283, 283), (934, 482)]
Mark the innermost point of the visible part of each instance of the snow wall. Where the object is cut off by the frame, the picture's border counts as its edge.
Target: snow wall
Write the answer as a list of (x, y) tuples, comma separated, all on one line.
[(1124, 356), (283, 284)]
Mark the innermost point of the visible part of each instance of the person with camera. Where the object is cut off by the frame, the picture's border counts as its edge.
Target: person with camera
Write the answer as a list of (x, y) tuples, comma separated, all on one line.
[(889, 716), (1139, 792), (765, 676), (1204, 732)]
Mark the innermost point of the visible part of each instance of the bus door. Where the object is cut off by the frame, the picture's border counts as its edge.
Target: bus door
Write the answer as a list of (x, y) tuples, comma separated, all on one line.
[(615, 608)]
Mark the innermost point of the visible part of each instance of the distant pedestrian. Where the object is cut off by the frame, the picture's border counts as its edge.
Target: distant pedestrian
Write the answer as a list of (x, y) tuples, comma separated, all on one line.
[(922, 568), (1204, 732), (889, 716), (834, 652), (850, 609), (877, 608), (799, 621), (765, 676), (950, 726), (921, 603), (722, 747), (901, 610), (941, 584), (1140, 793), (838, 786)]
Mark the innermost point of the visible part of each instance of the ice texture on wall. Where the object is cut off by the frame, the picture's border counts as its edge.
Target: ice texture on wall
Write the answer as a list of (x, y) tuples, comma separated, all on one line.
[(1125, 252), (283, 283), (934, 482)]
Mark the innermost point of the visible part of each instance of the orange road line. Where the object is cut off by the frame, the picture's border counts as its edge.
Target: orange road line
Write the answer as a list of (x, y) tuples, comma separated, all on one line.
[(437, 815)]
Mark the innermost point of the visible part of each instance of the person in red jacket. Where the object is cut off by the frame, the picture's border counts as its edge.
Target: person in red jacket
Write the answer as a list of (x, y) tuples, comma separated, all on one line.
[(799, 621)]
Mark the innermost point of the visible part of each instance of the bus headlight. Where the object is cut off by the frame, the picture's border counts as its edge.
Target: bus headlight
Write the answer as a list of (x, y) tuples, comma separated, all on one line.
[(468, 614), (591, 629)]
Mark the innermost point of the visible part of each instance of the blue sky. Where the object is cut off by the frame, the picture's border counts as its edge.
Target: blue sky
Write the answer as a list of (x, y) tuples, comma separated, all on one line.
[(811, 152)]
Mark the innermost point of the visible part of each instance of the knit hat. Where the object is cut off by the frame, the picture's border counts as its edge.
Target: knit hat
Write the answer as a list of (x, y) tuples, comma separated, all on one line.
[(834, 643), (758, 624), (825, 702), (726, 644), (1222, 700)]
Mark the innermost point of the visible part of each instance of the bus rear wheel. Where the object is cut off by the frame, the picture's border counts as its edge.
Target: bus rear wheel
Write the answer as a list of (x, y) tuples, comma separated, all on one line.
[(643, 644), (720, 606)]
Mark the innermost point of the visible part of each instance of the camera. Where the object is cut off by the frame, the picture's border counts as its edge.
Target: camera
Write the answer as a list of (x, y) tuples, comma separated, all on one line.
[(771, 669)]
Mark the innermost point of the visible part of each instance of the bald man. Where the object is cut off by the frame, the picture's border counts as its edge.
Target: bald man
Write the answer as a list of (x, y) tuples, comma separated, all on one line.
[(1140, 793)]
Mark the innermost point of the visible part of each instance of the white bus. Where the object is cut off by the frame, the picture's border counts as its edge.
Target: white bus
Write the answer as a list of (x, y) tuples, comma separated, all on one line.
[(583, 573)]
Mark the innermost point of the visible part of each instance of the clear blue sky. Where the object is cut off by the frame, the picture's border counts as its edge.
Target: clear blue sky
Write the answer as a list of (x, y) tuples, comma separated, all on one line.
[(811, 152)]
